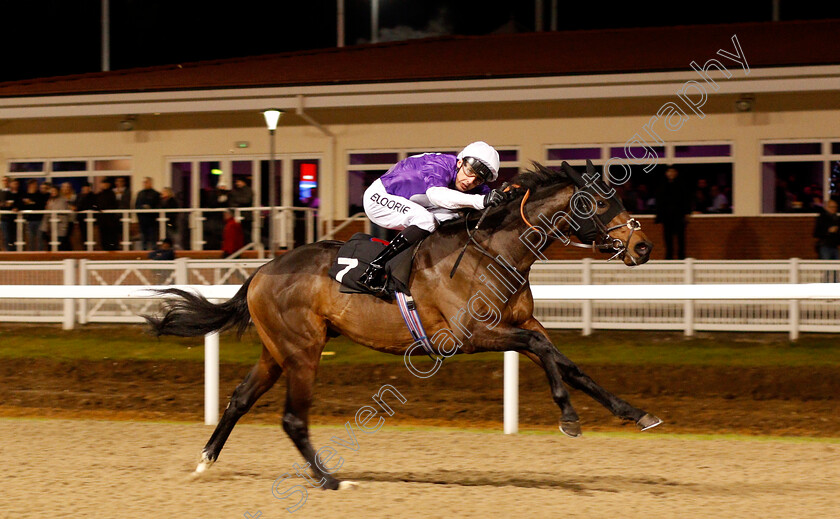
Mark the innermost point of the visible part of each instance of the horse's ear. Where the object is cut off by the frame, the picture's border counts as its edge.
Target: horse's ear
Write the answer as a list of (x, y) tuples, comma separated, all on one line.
[(572, 174), (590, 169)]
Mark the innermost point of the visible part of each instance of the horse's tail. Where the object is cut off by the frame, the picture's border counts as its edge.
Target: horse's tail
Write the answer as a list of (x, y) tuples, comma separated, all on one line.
[(191, 314)]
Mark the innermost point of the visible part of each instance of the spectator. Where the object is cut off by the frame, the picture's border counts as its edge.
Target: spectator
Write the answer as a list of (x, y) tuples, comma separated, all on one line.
[(173, 219), (84, 202), (232, 237), (108, 223), (148, 198), (827, 232), (700, 200), (33, 200), (672, 208), (163, 251), (720, 204), (647, 203), (69, 195), (243, 196), (785, 198), (9, 201), (56, 202), (630, 198), (122, 194), (213, 220)]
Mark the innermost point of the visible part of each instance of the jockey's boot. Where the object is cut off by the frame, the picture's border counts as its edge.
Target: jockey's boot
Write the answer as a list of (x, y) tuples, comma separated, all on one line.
[(372, 279)]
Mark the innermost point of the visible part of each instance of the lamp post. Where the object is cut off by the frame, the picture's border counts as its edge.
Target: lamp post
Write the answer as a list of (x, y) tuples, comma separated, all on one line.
[(271, 118)]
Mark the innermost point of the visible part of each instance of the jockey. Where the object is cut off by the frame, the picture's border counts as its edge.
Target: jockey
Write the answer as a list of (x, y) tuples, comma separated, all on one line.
[(421, 191)]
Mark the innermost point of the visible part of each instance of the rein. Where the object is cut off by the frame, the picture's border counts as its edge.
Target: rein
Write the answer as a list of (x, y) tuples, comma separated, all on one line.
[(471, 233)]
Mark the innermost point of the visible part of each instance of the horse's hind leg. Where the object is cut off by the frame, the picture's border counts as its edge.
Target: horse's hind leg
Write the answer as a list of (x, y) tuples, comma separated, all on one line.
[(259, 380), (572, 374), (297, 340), (301, 380)]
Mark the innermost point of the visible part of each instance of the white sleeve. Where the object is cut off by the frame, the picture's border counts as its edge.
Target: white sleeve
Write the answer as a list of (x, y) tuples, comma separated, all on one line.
[(452, 199)]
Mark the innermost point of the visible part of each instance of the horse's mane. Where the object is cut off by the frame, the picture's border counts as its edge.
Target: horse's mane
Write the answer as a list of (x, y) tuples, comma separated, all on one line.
[(532, 179), (540, 176)]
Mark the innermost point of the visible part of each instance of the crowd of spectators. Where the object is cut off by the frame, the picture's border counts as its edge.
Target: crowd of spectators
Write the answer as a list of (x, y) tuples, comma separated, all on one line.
[(794, 196), (222, 231), (703, 199)]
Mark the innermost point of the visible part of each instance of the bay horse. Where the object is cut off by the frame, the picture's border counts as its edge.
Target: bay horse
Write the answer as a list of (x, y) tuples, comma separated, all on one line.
[(296, 307)]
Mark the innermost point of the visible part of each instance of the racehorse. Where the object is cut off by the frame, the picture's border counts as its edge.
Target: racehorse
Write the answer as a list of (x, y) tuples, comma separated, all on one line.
[(296, 307)]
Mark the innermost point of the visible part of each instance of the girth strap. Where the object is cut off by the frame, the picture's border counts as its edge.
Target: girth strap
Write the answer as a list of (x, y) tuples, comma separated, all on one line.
[(412, 319)]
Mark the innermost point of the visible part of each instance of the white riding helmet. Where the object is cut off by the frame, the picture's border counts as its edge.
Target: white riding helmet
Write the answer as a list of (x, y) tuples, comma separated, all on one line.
[(483, 158)]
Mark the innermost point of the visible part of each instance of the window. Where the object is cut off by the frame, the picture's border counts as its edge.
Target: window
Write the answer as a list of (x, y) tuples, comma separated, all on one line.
[(798, 176), (706, 168), (365, 167), (74, 171)]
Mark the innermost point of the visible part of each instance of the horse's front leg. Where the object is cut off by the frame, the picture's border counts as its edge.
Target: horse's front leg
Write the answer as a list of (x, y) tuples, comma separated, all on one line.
[(535, 346), (579, 380)]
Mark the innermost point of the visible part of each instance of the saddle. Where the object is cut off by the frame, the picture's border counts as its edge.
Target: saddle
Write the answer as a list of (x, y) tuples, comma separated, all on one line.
[(355, 256)]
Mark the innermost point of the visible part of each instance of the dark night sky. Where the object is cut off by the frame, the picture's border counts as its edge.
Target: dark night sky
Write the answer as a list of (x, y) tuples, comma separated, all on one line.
[(42, 38)]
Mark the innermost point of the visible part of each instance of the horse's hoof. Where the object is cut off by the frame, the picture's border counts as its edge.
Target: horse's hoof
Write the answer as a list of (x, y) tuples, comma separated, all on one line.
[(570, 429), (348, 485), (204, 463), (648, 421)]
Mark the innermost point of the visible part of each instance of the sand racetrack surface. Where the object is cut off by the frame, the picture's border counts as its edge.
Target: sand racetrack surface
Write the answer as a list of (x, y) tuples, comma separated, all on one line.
[(90, 468), (74, 464)]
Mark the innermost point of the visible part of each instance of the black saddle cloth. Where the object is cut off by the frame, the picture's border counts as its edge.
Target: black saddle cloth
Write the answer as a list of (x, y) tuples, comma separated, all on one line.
[(355, 256)]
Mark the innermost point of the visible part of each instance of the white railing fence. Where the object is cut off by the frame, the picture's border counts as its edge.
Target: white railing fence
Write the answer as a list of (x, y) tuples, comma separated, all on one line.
[(689, 316), (182, 271), (176, 223), (747, 314)]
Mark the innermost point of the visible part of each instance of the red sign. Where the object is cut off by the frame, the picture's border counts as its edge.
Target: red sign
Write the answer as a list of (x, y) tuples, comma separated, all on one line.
[(308, 172)]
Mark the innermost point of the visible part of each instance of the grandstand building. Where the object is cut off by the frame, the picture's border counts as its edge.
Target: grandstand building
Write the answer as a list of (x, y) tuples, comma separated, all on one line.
[(752, 110)]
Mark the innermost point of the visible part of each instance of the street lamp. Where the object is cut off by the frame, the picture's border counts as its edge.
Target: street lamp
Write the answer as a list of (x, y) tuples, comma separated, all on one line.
[(271, 118)]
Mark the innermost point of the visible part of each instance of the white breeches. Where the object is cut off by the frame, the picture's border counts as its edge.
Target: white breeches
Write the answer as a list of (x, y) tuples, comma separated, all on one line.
[(395, 212)]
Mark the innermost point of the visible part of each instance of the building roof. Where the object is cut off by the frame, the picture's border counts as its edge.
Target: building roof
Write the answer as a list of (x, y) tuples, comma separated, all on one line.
[(766, 44)]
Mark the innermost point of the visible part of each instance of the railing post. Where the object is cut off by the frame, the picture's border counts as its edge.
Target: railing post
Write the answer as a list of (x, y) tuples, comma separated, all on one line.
[(282, 239), (511, 392), (69, 267), (89, 219), (53, 231), (688, 305), (793, 305), (83, 280), (310, 226), (182, 273), (256, 233), (21, 237), (198, 240), (126, 230), (211, 378), (162, 221), (586, 311)]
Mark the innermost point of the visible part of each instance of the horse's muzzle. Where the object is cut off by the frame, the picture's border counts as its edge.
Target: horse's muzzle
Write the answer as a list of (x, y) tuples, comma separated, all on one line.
[(642, 250)]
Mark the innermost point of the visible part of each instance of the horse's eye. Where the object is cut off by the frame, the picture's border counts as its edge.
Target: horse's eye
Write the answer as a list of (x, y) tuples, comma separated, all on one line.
[(602, 204)]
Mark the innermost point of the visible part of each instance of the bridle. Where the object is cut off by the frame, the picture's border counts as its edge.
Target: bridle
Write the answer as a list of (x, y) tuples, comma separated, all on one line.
[(604, 243)]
